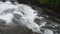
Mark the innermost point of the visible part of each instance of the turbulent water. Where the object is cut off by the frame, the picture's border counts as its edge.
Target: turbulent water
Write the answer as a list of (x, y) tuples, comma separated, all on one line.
[(20, 14)]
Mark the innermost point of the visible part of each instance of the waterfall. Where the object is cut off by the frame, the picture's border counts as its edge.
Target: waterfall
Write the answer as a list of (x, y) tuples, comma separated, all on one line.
[(23, 14)]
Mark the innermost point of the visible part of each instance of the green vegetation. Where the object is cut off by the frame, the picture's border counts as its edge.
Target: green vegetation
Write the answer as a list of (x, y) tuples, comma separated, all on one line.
[(54, 4), (50, 3)]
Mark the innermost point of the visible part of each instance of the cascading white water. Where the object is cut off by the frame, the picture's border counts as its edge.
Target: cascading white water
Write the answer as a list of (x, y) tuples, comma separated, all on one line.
[(7, 11)]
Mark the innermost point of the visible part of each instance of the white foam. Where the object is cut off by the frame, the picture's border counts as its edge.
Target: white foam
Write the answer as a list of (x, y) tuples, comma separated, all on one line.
[(25, 11)]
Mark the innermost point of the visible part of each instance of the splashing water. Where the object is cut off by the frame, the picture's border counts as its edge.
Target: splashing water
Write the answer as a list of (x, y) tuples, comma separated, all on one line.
[(25, 15)]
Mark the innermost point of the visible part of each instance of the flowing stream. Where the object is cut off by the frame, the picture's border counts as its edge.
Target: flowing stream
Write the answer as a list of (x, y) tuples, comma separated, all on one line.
[(13, 15)]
